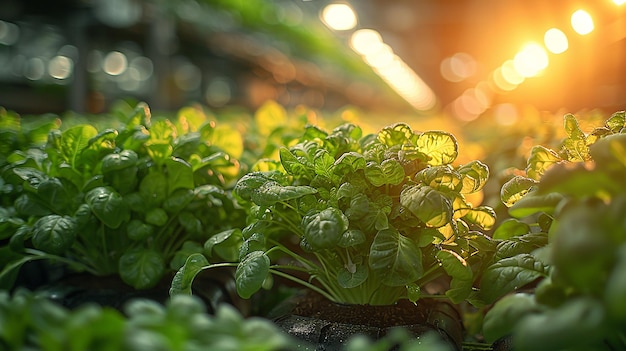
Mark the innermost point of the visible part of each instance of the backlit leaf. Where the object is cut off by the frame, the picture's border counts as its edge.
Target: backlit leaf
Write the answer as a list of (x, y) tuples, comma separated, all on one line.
[(427, 204), (515, 189), (440, 147), (540, 160)]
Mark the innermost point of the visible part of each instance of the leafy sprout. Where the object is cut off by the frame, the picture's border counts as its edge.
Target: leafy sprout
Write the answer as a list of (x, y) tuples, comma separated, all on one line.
[(360, 219)]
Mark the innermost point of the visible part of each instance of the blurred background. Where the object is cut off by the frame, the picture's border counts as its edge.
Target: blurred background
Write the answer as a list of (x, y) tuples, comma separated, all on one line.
[(453, 58)]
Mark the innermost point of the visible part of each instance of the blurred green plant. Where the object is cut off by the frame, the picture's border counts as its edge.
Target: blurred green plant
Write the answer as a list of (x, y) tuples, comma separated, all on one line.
[(575, 200)]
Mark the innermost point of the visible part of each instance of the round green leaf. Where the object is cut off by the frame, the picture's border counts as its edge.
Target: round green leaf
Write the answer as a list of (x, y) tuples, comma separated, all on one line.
[(157, 217), (108, 205), (141, 269), (251, 273), (440, 147), (324, 229), (515, 188), (54, 234), (138, 230), (427, 204), (352, 278)]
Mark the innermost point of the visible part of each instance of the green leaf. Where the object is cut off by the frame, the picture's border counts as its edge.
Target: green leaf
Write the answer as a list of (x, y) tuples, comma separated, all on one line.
[(515, 188), (440, 147), (509, 274), (396, 134), (56, 195), (157, 217), (396, 258), (442, 178), (153, 188), (616, 122), (388, 172), (579, 324), (179, 175), (474, 176), (540, 160), (74, 141), (225, 244), (251, 273), (138, 230), (294, 165), (427, 204), (509, 228), (324, 229), (269, 117), (616, 287), (54, 234), (272, 192), (349, 162), (482, 216), (141, 269), (461, 273), (183, 279), (108, 206), (534, 203), (522, 244), (575, 145), (352, 238), (501, 319), (352, 277)]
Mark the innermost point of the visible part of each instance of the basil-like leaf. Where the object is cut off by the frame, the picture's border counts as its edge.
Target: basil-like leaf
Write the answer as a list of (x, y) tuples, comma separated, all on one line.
[(108, 206), (183, 279), (54, 234), (141, 269), (324, 230), (509, 274), (396, 258), (251, 272), (427, 204)]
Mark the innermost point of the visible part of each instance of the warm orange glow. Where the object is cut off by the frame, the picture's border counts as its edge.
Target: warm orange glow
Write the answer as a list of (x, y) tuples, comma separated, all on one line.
[(339, 16), (619, 2), (531, 60), (555, 40), (500, 82), (582, 22), (510, 74), (366, 41), (458, 67)]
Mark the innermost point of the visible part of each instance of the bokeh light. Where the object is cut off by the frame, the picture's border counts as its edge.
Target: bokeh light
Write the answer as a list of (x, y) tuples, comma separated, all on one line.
[(458, 67), (582, 23), (555, 41), (115, 63), (531, 60), (60, 67), (619, 2), (365, 41), (339, 16)]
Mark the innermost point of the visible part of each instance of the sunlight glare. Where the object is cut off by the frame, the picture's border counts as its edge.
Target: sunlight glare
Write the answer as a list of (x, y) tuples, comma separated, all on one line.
[(339, 16), (531, 60), (555, 40), (582, 22), (365, 41)]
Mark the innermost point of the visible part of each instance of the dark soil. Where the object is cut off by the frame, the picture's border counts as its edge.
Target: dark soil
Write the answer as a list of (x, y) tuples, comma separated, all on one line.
[(402, 313)]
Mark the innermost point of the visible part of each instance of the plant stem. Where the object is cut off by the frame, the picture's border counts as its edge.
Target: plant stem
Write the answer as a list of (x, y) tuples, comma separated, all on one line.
[(304, 283)]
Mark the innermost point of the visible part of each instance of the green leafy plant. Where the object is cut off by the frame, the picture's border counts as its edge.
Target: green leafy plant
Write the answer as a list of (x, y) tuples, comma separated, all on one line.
[(29, 322), (132, 200), (360, 219), (573, 198)]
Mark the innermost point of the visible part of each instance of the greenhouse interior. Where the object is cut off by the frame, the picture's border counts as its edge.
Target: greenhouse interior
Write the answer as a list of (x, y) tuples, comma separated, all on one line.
[(312, 175)]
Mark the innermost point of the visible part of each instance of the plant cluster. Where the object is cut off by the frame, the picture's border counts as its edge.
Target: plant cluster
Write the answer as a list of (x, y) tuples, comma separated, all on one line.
[(132, 200), (28, 322), (575, 198), (360, 219)]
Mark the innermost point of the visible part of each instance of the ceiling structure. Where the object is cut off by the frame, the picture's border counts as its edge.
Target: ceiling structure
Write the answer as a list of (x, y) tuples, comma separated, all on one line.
[(590, 74)]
